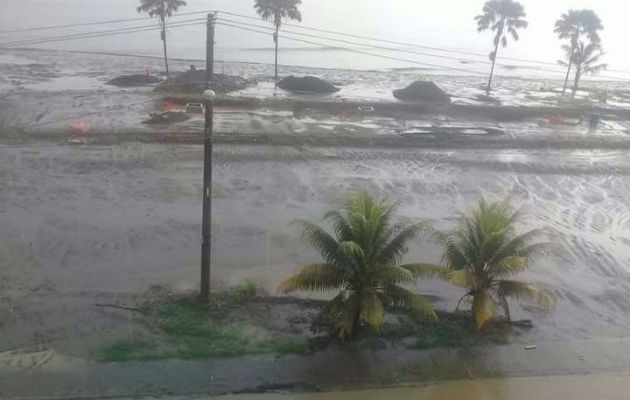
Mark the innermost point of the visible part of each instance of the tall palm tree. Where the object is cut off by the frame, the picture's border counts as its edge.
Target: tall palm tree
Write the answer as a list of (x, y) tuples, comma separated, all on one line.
[(360, 260), (575, 25), (484, 251), (161, 9), (275, 11), (585, 58), (503, 17)]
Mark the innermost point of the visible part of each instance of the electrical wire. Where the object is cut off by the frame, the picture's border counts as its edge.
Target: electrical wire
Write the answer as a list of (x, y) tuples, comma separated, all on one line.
[(403, 43), (357, 51), (143, 28), (354, 43), (115, 21), (241, 25), (377, 55)]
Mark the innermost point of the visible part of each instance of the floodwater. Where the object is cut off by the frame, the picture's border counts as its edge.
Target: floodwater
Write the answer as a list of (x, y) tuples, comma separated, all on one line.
[(120, 218)]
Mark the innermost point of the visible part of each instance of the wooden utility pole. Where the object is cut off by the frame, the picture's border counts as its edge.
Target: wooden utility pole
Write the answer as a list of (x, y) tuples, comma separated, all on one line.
[(204, 292)]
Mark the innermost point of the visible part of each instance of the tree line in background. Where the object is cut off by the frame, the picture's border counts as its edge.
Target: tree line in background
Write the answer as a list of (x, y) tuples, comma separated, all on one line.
[(504, 17)]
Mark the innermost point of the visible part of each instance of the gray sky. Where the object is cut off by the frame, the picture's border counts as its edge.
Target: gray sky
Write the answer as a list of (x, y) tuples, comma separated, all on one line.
[(446, 23)]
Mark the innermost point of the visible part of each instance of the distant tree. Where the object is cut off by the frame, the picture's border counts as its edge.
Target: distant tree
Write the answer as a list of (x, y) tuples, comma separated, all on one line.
[(585, 58), (361, 260), (484, 252), (275, 11), (576, 26), (161, 9), (503, 17)]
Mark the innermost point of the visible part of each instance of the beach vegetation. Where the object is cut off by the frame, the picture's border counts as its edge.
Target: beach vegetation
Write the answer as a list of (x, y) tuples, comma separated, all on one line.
[(362, 259), (503, 17)]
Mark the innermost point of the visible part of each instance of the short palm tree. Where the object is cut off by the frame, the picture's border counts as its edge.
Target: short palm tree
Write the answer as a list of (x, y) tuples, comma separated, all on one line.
[(161, 9), (484, 251), (585, 58), (575, 25), (503, 17), (275, 11), (361, 260)]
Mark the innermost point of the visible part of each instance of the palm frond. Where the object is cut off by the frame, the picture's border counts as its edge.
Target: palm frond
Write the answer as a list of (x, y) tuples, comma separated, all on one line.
[(319, 277), (321, 240), (521, 245), (353, 249), (464, 278), (397, 247), (340, 225), (519, 290), (426, 270), (508, 266), (394, 275), (404, 298)]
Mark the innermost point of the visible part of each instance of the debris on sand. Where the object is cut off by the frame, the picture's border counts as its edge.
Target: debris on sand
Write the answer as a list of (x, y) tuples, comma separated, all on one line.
[(194, 81), (166, 117), (134, 80), (307, 84), (425, 91)]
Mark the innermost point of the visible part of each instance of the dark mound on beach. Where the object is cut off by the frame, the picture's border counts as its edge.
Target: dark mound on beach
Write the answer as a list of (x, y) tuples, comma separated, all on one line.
[(134, 80), (424, 91), (166, 118), (308, 84), (194, 81)]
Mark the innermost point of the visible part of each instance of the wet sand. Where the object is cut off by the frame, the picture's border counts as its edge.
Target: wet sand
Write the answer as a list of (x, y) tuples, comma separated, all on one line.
[(83, 221), (589, 387)]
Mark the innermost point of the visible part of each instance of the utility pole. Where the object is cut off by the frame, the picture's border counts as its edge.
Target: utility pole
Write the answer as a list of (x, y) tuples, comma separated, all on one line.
[(204, 293)]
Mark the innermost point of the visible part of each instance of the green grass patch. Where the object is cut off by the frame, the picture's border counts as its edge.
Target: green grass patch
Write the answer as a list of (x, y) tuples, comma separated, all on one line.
[(447, 332), (128, 350), (187, 329)]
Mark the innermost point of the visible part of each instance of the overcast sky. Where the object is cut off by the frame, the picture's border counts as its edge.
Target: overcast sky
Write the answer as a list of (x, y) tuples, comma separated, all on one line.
[(445, 23)]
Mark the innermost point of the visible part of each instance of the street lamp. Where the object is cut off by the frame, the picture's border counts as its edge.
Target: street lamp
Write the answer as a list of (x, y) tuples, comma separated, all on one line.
[(204, 293)]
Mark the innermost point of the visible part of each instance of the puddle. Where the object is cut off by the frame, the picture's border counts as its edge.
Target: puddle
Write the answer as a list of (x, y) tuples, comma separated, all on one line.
[(11, 59), (453, 130), (67, 83)]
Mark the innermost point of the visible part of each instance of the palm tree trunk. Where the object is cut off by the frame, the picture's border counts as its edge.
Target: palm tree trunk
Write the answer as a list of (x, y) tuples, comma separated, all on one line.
[(164, 43), (576, 81), (275, 37), (494, 60), (506, 309), (566, 78)]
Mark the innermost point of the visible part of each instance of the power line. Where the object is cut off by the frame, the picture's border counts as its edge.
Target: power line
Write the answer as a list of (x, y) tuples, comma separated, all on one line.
[(143, 28), (201, 21), (356, 43), (376, 47), (413, 45), (115, 21), (358, 51), (404, 43)]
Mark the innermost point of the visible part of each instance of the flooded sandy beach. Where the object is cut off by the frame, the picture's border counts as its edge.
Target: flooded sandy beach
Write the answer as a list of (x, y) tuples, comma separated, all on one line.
[(91, 219), (105, 214)]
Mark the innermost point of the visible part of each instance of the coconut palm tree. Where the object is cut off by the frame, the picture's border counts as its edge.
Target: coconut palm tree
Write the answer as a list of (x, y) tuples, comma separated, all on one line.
[(161, 9), (585, 58), (574, 26), (275, 11), (503, 17), (483, 252), (361, 260)]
